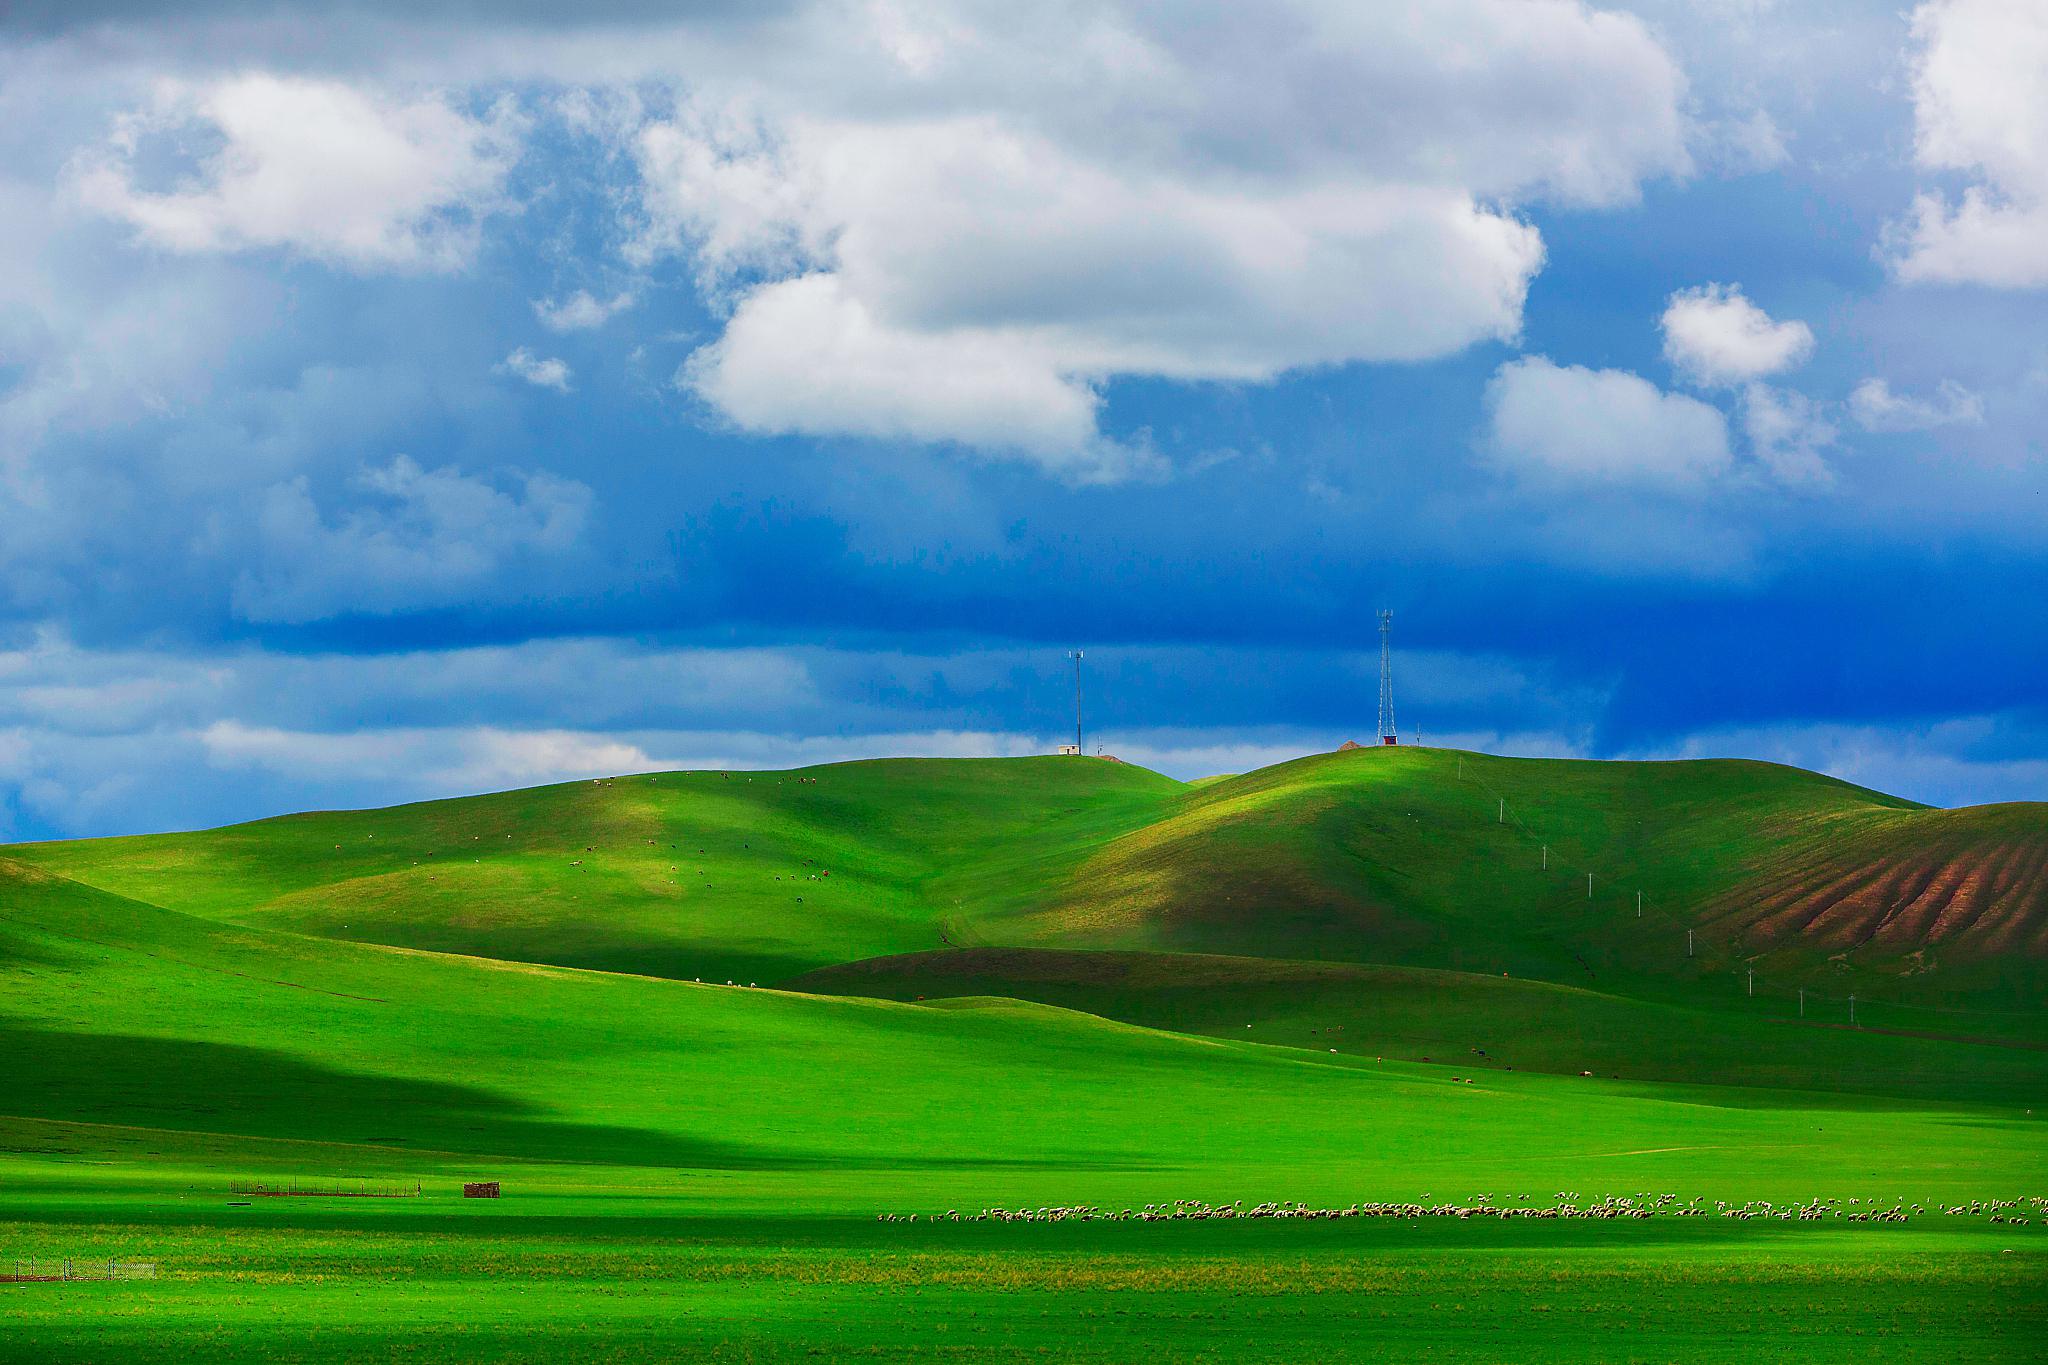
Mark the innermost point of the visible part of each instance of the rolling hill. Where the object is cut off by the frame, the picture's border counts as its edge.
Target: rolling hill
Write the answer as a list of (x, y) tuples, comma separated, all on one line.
[(747, 876), (1488, 1024), (412, 998), (1535, 867), (1582, 873), (157, 1030)]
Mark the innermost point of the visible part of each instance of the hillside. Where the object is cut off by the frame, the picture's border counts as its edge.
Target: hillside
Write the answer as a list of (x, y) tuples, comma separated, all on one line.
[(697, 1170), (1489, 1024), (743, 876), (1402, 857), (1435, 858), (150, 1030)]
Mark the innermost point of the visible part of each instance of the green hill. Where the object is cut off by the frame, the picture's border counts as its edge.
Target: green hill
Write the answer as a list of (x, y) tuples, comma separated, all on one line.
[(1436, 858), (1490, 1024), (743, 876), (1414, 857), (402, 999), (132, 1018)]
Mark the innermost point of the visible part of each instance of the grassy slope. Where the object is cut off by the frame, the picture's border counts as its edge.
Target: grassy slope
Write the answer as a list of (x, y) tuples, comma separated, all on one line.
[(119, 1013), (1402, 856), (1379, 855), (676, 1155), (1479, 1023), (682, 874)]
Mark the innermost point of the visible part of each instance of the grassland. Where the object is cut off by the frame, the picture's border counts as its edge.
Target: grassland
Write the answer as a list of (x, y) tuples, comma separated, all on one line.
[(693, 1170)]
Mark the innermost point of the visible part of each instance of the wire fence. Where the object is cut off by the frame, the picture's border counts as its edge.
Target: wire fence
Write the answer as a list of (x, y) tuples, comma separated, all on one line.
[(345, 1188), (30, 1270), (1714, 955)]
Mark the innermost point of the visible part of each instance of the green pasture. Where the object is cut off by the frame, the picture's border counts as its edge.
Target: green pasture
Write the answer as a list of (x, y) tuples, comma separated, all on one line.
[(1410, 857), (693, 1170)]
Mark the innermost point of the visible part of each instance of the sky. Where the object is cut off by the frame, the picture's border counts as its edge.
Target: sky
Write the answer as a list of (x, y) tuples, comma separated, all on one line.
[(407, 400)]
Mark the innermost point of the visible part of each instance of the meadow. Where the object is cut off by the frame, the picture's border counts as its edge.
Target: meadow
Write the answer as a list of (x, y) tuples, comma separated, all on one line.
[(697, 1170)]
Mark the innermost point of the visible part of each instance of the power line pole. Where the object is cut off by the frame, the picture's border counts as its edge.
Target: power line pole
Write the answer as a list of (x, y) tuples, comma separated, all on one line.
[(1075, 655), (1501, 816), (1387, 734), (1546, 857), (1688, 943), (1752, 983), (1802, 1002), (1852, 1010), (1589, 886), (1639, 905)]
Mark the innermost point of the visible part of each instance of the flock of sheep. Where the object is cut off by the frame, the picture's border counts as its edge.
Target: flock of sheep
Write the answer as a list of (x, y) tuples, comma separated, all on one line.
[(1855, 1210)]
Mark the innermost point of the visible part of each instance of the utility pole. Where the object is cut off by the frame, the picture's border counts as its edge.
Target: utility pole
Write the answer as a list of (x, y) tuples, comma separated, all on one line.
[(1639, 905), (1752, 983), (1387, 733), (1501, 816), (1075, 655), (1802, 1002), (1852, 1010), (1589, 886), (1688, 943)]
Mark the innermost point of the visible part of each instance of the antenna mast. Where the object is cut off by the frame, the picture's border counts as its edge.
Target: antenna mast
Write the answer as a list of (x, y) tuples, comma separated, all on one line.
[(1387, 732), (1075, 655)]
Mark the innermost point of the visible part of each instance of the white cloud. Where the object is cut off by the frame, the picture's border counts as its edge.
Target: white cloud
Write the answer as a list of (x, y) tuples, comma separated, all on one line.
[(1787, 432), (1045, 205), (542, 374), (1876, 408), (581, 311), (1714, 335), (456, 759), (422, 538), (319, 168), (800, 356), (1566, 423), (1980, 104), (1745, 145)]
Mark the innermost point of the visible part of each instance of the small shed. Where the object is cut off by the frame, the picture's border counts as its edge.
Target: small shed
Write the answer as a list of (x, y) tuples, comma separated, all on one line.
[(480, 1189)]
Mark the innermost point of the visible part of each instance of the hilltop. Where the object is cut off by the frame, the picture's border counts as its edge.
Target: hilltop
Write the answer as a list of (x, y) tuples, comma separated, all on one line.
[(749, 876), (1410, 857)]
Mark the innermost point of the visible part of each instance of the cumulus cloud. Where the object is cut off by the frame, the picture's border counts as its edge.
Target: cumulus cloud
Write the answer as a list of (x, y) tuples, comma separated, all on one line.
[(547, 373), (1787, 432), (1714, 335), (315, 167), (581, 311), (1876, 408), (421, 538), (1980, 105), (801, 356), (1044, 206), (1745, 145), (1569, 424), (456, 759)]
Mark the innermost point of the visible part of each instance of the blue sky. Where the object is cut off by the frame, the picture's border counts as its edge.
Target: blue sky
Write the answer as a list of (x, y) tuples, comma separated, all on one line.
[(432, 398)]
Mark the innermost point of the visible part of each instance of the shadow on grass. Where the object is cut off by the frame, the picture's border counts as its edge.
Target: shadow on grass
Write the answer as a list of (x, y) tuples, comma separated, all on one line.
[(206, 1087)]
